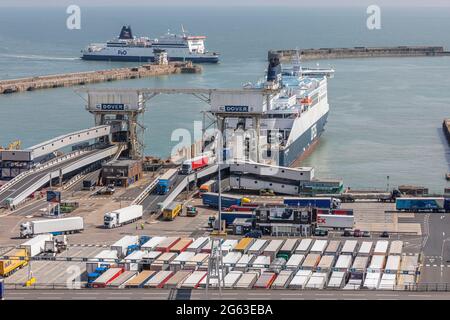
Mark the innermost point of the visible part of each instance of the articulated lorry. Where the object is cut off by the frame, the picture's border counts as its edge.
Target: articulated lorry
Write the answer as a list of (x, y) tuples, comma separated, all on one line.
[(16, 261), (166, 181), (53, 226), (122, 216), (439, 204)]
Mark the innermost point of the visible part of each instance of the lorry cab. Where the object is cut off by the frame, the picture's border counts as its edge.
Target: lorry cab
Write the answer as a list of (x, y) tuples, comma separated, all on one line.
[(25, 230), (109, 220)]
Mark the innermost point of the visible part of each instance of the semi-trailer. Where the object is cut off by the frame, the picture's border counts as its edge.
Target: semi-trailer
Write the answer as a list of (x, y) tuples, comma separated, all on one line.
[(316, 281), (381, 247), (89, 184), (181, 245), (319, 246), (122, 279), (122, 245), (232, 278), (166, 181), (105, 258), (377, 263), (230, 216), (392, 264), (18, 259), (231, 258), (343, 262), (167, 244), (333, 247), (36, 245), (336, 280), (198, 244), (163, 261), (388, 281), (350, 247), (322, 203), (311, 261), (438, 204), (172, 210), (261, 262), (243, 262), (283, 279), (300, 279), (152, 243), (295, 261), (258, 246), (247, 280), (133, 260), (355, 280), (180, 261), (304, 246), (288, 248), (209, 186), (193, 280), (365, 248), (159, 279), (273, 248), (396, 247), (409, 264), (139, 280), (53, 226), (177, 279), (212, 199), (196, 163), (360, 263), (372, 280), (122, 216), (107, 277), (325, 263), (335, 221), (244, 244), (265, 280)]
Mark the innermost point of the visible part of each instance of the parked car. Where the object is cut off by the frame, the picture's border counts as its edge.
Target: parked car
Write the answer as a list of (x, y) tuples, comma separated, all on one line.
[(357, 233), (366, 234), (347, 233), (384, 234), (254, 234), (319, 232)]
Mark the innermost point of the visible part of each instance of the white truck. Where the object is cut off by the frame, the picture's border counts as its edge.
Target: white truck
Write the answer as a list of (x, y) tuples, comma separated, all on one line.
[(121, 246), (36, 245), (53, 226), (335, 221), (122, 216)]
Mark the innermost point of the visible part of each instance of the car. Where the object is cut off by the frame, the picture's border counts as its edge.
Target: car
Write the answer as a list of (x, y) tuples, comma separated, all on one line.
[(384, 234), (266, 192), (357, 233), (320, 232), (211, 220), (366, 234), (253, 234), (347, 233), (191, 211)]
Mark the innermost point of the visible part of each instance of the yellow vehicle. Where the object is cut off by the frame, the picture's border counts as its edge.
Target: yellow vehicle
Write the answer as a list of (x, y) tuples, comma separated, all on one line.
[(9, 266), (172, 210)]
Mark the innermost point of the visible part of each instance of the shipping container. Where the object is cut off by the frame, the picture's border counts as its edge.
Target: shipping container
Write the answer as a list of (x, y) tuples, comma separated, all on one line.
[(360, 263), (177, 279), (396, 247), (244, 261), (198, 244), (311, 261), (152, 243), (167, 244), (122, 245), (247, 280), (300, 279), (258, 246), (159, 279), (265, 280), (316, 281), (107, 277), (377, 263), (244, 244), (343, 262), (181, 245), (140, 279), (392, 264), (325, 263), (349, 247), (232, 278), (133, 260), (193, 280), (381, 247), (272, 248), (36, 245), (365, 248), (333, 247), (319, 246), (388, 282), (231, 258), (283, 279), (120, 281), (372, 280), (295, 261), (304, 246), (337, 279)]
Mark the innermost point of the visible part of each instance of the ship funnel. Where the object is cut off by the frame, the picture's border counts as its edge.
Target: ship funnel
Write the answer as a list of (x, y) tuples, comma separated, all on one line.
[(274, 69), (126, 33)]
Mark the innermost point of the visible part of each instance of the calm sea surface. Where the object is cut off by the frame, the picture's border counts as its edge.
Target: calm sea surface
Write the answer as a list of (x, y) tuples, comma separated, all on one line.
[(386, 113)]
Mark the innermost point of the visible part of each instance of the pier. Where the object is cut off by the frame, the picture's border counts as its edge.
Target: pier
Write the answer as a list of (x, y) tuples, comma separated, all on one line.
[(83, 78), (362, 52)]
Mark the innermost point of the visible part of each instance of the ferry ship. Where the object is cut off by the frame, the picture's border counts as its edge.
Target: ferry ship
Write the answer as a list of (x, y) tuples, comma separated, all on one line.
[(126, 47), (294, 118)]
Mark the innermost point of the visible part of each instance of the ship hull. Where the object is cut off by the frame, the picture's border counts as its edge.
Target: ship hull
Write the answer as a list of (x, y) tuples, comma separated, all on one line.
[(304, 144), (99, 57)]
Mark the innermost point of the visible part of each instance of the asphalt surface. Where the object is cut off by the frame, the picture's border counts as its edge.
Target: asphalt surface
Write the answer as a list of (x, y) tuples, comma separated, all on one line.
[(151, 202), (200, 294)]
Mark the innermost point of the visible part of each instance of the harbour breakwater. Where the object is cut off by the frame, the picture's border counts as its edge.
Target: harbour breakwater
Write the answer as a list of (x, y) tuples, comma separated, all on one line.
[(360, 52), (83, 78)]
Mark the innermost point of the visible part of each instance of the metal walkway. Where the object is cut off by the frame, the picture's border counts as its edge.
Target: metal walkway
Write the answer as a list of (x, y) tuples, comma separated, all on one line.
[(18, 189)]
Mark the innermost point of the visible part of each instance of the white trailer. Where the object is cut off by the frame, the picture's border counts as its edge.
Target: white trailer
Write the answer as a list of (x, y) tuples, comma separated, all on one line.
[(247, 280), (388, 281), (304, 246), (392, 264), (316, 281), (283, 279), (193, 280), (231, 258), (106, 257), (179, 262), (333, 247), (360, 263), (122, 216), (258, 246), (365, 248), (396, 247), (229, 245), (377, 263), (300, 279), (272, 248), (319, 246), (122, 245), (334, 221), (232, 278), (409, 264), (133, 260), (381, 247), (261, 262), (372, 280), (54, 226), (244, 261), (295, 261), (36, 245), (337, 279), (151, 244), (343, 263), (349, 247), (198, 244)]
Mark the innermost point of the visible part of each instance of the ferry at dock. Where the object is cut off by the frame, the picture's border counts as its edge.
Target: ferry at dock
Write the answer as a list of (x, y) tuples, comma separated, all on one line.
[(127, 47), (293, 120)]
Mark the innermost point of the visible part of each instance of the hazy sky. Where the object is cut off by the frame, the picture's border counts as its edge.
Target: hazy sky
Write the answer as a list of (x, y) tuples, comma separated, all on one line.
[(334, 3)]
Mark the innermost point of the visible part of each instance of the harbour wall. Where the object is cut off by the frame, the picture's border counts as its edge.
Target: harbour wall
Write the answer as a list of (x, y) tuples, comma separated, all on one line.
[(83, 78), (361, 52), (446, 128)]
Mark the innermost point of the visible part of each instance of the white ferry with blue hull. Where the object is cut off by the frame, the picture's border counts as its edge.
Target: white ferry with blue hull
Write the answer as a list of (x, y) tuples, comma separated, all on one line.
[(141, 49), (294, 118)]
